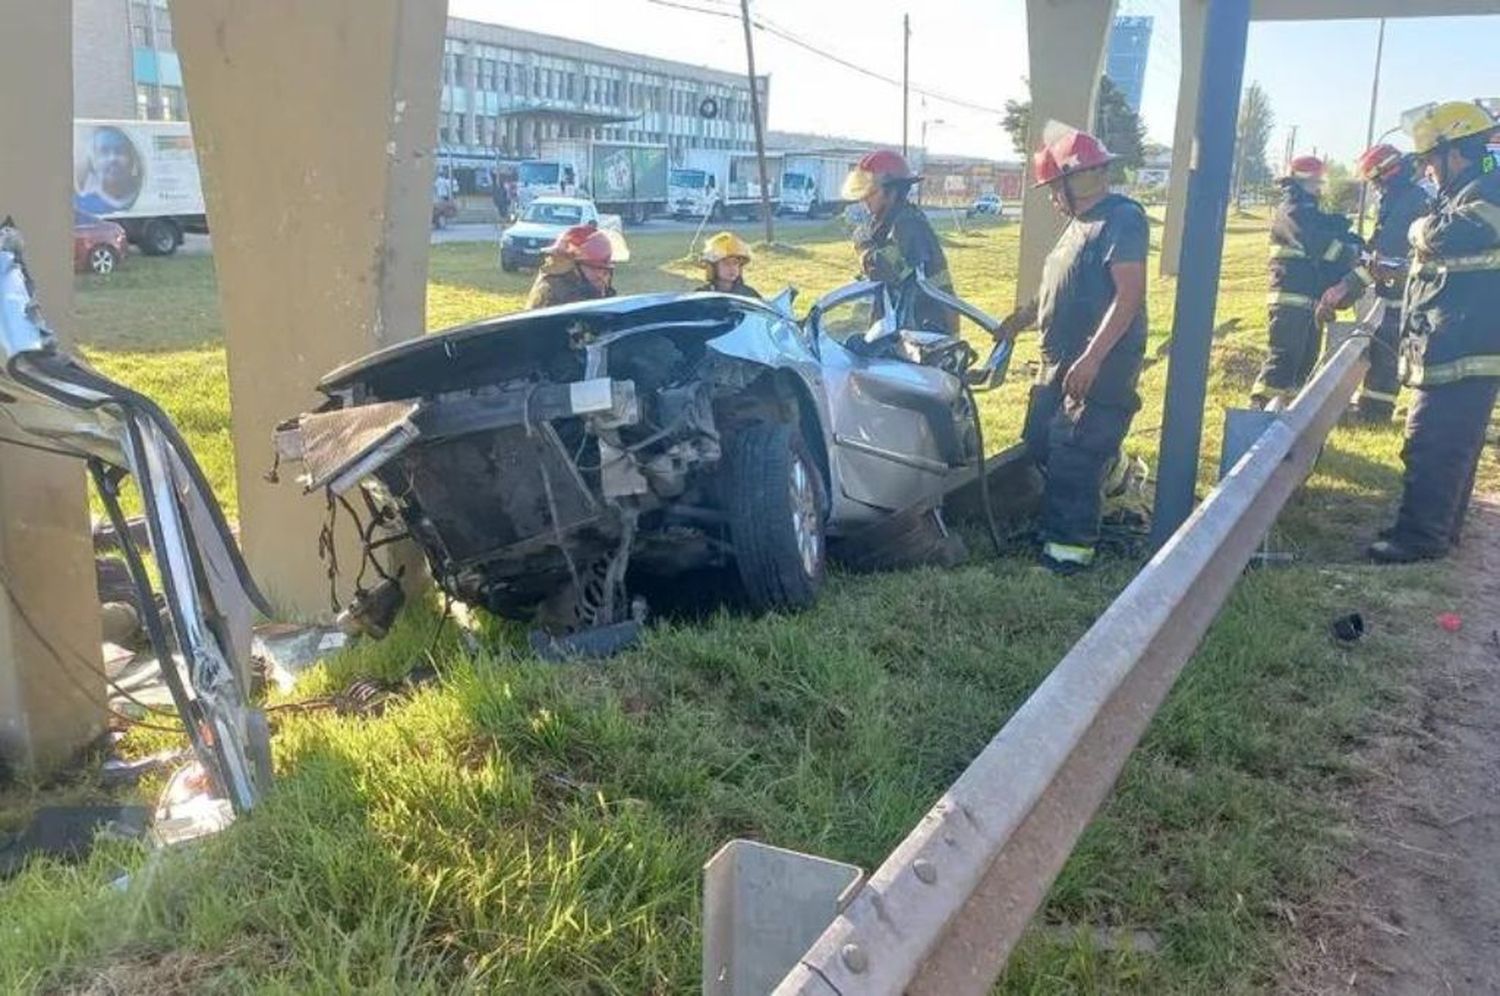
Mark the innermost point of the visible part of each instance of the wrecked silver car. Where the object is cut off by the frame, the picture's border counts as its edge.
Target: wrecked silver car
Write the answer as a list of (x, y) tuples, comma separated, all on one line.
[(53, 401), (544, 460)]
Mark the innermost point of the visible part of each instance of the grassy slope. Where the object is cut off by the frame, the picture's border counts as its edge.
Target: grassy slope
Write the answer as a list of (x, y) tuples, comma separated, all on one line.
[(525, 828)]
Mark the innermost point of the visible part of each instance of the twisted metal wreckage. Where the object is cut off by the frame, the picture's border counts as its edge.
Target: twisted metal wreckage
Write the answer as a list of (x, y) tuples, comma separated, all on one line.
[(54, 401)]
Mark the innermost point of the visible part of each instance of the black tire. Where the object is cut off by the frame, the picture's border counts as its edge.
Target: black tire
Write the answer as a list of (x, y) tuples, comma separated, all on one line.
[(103, 259), (507, 264), (776, 508), (716, 213), (160, 237)]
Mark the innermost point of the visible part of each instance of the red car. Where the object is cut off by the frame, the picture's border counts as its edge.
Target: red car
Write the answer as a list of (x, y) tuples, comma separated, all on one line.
[(98, 245)]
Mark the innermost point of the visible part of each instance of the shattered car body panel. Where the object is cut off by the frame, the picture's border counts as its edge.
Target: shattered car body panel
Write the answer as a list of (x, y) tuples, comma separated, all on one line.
[(536, 458), (52, 399)]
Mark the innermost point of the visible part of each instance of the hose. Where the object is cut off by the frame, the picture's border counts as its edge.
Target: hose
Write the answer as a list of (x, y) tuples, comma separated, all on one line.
[(984, 477)]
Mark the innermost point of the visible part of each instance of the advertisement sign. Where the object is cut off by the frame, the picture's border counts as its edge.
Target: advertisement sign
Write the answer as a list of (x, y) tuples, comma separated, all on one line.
[(132, 169)]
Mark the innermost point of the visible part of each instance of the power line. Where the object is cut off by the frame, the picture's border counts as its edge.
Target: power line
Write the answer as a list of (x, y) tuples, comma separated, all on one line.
[(787, 36)]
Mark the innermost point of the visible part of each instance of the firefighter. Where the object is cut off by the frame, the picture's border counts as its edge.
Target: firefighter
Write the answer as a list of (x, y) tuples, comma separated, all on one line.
[(898, 241), (579, 266), (1450, 328), (725, 257), (1402, 201), (1091, 311), (1311, 250)]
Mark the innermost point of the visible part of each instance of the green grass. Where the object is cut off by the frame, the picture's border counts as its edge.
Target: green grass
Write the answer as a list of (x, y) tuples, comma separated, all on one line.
[(522, 827)]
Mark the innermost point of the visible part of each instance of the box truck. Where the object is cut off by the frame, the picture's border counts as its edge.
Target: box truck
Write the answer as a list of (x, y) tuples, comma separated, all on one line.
[(719, 184), (812, 184), (142, 175), (624, 178)]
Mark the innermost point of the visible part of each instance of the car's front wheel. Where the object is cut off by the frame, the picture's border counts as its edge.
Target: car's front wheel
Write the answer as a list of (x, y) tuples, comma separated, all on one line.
[(774, 500), (103, 259)]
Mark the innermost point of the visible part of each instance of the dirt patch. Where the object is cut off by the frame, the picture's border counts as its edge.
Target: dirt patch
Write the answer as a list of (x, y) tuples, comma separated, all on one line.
[(1419, 911)]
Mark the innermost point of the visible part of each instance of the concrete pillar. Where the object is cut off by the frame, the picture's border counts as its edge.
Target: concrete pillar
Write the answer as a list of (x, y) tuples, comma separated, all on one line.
[(49, 606), (314, 122), (1067, 40), (1194, 17)]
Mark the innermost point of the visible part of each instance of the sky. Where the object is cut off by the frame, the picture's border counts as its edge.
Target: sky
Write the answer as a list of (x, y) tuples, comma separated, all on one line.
[(1317, 73)]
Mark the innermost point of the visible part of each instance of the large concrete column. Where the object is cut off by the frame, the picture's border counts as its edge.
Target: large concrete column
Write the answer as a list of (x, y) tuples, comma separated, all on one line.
[(1194, 17), (1067, 40), (49, 606), (314, 122)]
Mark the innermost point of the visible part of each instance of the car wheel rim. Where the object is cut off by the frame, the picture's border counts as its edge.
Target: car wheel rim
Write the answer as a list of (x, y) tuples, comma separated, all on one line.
[(103, 262), (805, 518)]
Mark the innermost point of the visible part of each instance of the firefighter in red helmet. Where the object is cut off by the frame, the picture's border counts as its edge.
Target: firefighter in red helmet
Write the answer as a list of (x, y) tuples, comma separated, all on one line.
[(898, 240), (579, 266), (1402, 202), (1311, 250), (1091, 311)]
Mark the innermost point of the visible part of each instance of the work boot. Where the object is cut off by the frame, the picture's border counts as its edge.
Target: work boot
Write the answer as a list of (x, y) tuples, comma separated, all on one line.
[(1393, 551), (1374, 413)]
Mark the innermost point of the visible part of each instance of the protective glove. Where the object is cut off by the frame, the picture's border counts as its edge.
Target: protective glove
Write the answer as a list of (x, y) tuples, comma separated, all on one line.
[(1333, 299)]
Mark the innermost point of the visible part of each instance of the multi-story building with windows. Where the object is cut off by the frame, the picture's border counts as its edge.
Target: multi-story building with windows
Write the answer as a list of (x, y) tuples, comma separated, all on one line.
[(124, 61), (504, 91), (1129, 53)]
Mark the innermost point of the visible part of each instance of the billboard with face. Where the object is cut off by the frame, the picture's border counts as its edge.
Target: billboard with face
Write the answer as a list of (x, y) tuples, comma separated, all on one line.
[(135, 169)]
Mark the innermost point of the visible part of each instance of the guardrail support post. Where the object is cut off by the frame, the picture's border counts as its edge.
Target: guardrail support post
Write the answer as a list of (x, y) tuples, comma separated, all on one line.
[(1225, 33)]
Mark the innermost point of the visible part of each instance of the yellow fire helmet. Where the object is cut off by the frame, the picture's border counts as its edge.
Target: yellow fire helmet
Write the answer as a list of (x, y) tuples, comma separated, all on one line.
[(1433, 125), (725, 245)]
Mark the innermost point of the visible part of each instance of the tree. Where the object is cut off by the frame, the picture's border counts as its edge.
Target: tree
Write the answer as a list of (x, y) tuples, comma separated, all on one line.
[(1116, 124), (1254, 132)]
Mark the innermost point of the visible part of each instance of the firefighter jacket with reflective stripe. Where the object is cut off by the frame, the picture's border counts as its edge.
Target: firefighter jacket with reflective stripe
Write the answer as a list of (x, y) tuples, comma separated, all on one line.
[(1311, 250), (1402, 202), (1452, 303), (893, 251)]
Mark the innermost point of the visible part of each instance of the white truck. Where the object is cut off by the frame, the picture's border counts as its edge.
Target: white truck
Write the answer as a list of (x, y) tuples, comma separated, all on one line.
[(718, 184), (624, 178), (142, 175), (812, 183)]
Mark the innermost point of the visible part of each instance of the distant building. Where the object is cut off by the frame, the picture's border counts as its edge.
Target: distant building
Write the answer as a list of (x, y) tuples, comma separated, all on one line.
[(506, 90), (1129, 51), (503, 91), (124, 61)]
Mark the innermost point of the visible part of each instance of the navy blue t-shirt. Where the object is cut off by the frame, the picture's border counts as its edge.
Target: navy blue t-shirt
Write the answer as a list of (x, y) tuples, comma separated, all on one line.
[(1077, 287)]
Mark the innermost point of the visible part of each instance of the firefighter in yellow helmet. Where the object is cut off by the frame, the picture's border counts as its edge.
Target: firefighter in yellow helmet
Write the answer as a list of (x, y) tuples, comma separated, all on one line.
[(725, 257), (899, 240), (1451, 328)]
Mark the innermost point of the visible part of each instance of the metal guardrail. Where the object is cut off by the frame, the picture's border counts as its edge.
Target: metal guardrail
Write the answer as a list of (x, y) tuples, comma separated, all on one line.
[(943, 912)]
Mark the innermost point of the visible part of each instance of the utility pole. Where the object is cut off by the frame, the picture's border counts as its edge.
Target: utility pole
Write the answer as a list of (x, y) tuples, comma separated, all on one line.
[(905, 78), (1370, 126), (760, 135)]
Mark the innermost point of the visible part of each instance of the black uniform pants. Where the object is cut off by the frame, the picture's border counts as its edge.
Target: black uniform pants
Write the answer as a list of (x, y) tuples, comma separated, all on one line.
[(1074, 443), (1296, 342), (1377, 395), (1444, 439)]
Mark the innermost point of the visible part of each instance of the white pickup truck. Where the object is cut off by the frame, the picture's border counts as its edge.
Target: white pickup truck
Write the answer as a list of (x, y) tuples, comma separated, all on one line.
[(542, 221)]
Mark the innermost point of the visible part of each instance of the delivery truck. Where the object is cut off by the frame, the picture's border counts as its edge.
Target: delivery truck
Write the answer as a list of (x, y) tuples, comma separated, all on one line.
[(624, 178), (142, 175), (719, 184), (812, 183)]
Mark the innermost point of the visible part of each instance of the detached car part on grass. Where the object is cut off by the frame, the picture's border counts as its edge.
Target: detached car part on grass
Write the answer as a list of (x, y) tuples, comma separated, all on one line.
[(539, 458), (53, 401)]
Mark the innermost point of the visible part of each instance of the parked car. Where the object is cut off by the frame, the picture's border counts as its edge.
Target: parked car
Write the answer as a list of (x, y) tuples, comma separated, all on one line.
[(985, 204), (545, 460), (98, 245), (542, 221)]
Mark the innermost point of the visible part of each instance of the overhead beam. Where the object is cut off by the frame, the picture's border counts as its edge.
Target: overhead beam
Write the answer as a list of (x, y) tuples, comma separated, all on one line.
[(1337, 10)]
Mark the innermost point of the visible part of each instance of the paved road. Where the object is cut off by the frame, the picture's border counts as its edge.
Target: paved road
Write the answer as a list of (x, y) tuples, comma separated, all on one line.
[(488, 231)]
